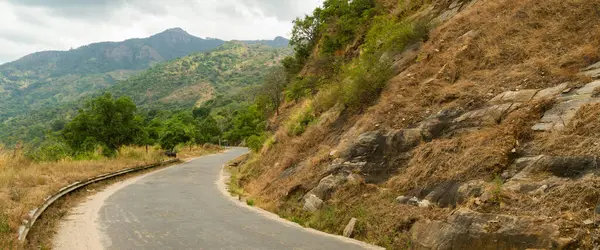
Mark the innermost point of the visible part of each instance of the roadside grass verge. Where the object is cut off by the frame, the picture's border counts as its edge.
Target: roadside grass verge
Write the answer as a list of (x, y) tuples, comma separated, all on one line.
[(24, 184)]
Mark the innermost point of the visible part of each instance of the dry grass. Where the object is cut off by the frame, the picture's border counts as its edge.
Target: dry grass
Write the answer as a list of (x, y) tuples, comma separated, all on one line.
[(492, 47), (25, 184)]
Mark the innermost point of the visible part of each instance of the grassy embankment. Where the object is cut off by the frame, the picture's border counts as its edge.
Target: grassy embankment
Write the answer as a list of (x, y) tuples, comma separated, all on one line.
[(24, 184)]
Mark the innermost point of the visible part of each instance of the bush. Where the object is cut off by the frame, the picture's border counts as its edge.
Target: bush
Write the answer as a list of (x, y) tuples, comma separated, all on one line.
[(255, 142), (50, 150), (300, 120), (250, 202), (300, 88), (390, 34), (366, 77)]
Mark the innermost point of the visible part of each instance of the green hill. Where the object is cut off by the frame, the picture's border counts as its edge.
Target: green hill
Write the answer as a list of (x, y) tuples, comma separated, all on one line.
[(47, 78), (182, 83)]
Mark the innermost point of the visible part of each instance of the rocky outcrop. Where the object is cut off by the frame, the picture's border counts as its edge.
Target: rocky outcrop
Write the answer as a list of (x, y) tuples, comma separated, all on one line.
[(530, 174), (567, 105), (466, 229), (503, 104), (592, 71), (445, 194)]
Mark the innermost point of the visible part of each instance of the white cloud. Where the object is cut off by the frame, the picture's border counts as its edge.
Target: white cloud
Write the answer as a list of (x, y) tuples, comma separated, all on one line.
[(36, 25)]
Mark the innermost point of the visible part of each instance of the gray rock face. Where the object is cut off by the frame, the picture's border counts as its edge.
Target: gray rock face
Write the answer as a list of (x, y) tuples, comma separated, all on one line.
[(561, 114), (466, 229), (377, 155), (349, 229), (521, 176)]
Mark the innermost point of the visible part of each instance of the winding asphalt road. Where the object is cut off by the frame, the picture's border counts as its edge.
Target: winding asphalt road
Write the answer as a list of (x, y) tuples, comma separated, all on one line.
[(182, 208)]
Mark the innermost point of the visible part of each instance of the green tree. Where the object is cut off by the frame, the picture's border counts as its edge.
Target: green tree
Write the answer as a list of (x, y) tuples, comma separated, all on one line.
[(105, 121), (273, 87), (175, 132), (305, 34)]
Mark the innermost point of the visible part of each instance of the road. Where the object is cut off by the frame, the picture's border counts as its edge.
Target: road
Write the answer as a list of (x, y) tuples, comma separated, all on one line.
[(181, 207)]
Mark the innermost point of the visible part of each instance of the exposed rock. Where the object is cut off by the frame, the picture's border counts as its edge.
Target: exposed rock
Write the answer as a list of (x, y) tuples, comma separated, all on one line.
[(327, 186), (521, 174), (514, 96), (592, 71), (561, 114), (365, 144), (466, 229), (495, 113), (424, 203), (444, 194), (345, 167), (413, 201), (550, 93), (312, 203), (402, 199), (469, 189), (349, 229)]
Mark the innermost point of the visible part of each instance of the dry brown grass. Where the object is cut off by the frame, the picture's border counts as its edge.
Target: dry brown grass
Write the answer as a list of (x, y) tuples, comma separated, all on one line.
[(527, 44), (519, 45), (24, 184)]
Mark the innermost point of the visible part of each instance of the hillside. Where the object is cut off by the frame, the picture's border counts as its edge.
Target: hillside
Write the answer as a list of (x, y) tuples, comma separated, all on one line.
[(51, 78), (189, 81), (445, 124), (231, 69), (48, 78)]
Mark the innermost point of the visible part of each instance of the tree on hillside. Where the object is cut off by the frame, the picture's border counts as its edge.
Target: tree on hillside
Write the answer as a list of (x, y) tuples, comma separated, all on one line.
[(273, 87), (305, 34), (105, 121)]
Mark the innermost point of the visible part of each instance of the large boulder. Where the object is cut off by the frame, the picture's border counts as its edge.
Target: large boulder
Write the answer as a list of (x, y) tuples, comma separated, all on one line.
[(312, 203), (466, 229), (328, 185)]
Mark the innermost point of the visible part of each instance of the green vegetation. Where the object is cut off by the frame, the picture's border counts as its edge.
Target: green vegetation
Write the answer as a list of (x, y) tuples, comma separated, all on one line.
[(106, 122), (357, 42), (250, 202), (48, 78), (217, 88)]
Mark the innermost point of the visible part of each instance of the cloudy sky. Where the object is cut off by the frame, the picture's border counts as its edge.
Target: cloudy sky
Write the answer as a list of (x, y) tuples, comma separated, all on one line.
[(33, 25)]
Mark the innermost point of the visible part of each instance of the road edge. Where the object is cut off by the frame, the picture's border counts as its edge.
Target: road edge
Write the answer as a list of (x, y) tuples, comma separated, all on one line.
[(221, 184)]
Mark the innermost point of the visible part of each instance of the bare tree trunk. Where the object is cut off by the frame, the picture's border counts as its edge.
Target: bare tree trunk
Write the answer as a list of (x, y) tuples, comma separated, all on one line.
[(146, 148)]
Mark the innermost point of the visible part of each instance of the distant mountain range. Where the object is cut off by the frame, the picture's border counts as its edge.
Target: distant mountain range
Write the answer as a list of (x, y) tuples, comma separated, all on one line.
[(46, 78), (170, 70)]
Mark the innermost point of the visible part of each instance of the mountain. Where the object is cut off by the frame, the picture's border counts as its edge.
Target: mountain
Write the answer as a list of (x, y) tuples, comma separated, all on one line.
[(278, 42), (182, 83), (50, 77)]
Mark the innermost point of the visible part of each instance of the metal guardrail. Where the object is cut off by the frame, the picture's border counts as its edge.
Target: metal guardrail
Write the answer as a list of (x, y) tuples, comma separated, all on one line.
[(36, 213)]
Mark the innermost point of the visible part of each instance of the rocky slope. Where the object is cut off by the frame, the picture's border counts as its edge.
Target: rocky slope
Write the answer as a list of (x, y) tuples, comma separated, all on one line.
[(485, 139)]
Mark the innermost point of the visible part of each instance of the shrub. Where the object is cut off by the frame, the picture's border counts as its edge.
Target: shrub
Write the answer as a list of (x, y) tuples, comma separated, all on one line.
[(327, 97), (390, 34), (300, 120), (366, 77), (255, 142), (300, 88), (50, 150), (250, 202)]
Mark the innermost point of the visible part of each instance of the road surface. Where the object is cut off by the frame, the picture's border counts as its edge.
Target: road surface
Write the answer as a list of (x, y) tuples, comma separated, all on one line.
[(181, 207)]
